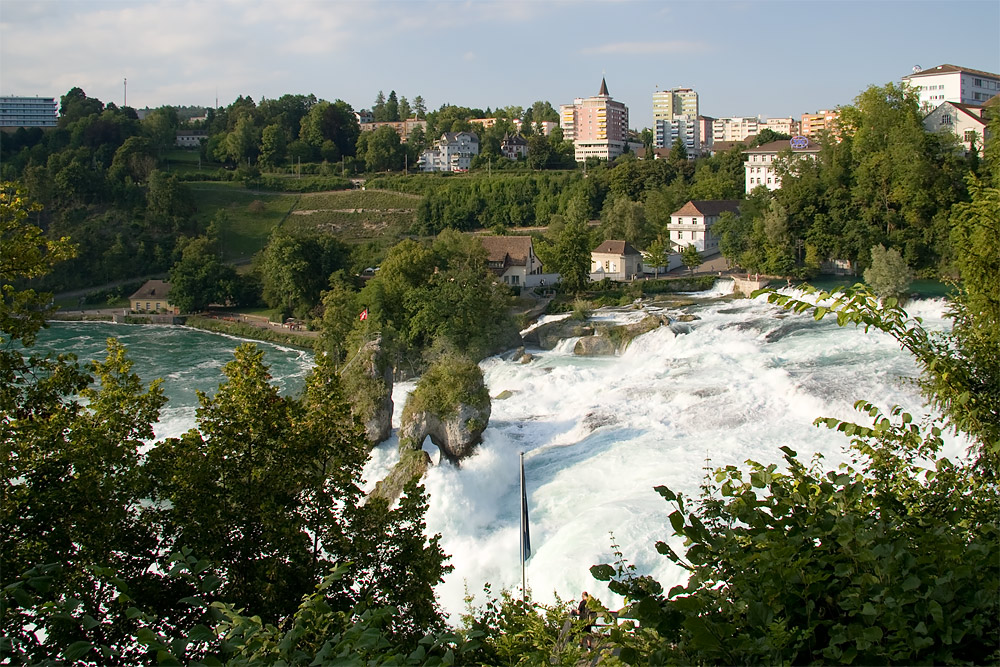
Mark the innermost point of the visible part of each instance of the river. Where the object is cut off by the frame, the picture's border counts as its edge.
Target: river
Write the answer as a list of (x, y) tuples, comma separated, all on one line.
[(598, 433)]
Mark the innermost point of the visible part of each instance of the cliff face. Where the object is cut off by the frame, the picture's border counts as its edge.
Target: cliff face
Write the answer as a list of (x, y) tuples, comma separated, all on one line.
[(451, 405), (368, 382)]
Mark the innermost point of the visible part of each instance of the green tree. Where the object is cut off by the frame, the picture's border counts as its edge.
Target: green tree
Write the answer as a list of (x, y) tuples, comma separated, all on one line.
[(273, 144), (888, 274), (200, 278), (657, 254), (571, 255), (691, 258)]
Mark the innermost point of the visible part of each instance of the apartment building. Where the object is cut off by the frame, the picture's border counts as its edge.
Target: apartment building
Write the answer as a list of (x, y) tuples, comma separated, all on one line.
[(597, 126), (950, 83), (788, 125), (404, 128), (823, 120), (452, 152), (28, 112), (735, 128)]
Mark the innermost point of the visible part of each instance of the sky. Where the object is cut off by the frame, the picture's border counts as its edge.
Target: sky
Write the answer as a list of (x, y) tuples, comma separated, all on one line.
[(747, 58)]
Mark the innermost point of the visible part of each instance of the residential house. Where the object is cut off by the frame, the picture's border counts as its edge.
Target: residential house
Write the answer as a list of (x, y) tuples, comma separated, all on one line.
[(513, 146), (513, 260), (692, 224), (452, 152), (949, 83), (616, 260), (760, 161), (153, 297), (965, 121)]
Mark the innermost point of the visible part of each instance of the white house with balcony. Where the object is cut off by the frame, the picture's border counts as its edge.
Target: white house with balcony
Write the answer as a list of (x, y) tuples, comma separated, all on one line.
[(452, 152), (692, 224), (760, 162)]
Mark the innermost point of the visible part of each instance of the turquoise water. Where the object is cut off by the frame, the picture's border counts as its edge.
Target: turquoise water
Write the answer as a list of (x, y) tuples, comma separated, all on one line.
[(188, 360)]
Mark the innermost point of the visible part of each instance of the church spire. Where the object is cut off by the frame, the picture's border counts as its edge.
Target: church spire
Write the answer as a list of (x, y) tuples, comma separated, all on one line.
[(604, 88)]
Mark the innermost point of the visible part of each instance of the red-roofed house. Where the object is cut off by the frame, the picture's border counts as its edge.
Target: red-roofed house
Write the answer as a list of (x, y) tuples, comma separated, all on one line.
[(692, 224), (513, 259), (616, 260)]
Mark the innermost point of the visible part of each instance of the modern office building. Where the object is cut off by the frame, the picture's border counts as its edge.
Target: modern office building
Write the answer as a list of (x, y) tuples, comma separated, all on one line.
[(597, 126), (950, 83), (28, 112)]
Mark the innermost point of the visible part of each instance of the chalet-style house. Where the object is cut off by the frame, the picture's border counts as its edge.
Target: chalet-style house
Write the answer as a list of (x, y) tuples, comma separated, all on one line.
[(513, 260), (692, 223), (452, 152), (616, 260), (513, 146), (152, 297)]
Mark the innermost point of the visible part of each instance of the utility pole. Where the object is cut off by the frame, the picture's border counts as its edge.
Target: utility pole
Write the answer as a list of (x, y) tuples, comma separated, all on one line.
[(125, 99)]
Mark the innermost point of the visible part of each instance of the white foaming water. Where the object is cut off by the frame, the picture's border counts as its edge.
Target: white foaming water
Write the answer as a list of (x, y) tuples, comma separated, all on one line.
[(600, 433)]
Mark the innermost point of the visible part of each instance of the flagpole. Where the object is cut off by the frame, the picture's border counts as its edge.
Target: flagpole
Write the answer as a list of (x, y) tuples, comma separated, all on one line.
[(524, 516)]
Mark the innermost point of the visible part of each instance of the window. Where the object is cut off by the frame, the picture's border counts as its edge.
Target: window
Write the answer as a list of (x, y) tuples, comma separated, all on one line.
[(680, 234), (607, 265), (946, 119), (977, 82), (970, 136)]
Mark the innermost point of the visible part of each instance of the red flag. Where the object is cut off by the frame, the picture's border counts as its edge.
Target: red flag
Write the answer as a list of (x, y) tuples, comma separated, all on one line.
[(364, 315)]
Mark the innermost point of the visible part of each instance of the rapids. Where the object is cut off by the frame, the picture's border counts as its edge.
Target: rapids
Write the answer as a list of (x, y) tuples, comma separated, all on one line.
[(598, 433)]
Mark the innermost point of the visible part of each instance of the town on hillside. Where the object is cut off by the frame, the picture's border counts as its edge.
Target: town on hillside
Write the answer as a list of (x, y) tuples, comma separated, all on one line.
[(555, 197)]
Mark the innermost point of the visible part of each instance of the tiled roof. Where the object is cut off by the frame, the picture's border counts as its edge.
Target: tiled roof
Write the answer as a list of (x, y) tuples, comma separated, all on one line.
[(511, 250), (153, 289), (708, 207), (782, 144), (616, 248), (947, 69)]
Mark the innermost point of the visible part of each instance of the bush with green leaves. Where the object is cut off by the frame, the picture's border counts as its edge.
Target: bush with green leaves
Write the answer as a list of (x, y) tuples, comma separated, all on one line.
[(891, 559), (888, 275)]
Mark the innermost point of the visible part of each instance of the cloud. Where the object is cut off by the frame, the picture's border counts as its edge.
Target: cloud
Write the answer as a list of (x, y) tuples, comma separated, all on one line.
[(645, 48), (469, 56)]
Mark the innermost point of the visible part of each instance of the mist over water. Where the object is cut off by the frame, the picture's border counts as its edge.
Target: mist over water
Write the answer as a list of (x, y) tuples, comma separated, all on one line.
[(598, 433)]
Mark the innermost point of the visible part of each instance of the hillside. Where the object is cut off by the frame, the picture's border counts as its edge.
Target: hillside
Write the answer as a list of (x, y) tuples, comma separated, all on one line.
[(248, 217)]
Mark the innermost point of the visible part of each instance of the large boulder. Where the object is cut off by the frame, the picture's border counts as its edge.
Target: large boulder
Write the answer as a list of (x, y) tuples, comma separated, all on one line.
[(367, 381), (548, 335), (451, 405), (613, 339)]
